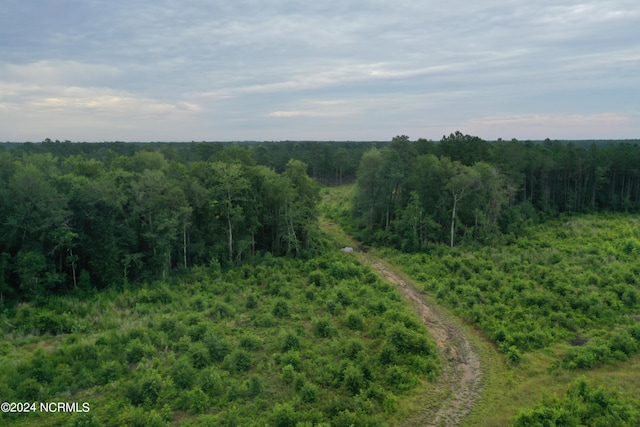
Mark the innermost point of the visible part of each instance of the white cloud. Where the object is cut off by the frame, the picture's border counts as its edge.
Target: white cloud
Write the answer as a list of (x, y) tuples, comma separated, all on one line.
[(556, 126), (228, 69)]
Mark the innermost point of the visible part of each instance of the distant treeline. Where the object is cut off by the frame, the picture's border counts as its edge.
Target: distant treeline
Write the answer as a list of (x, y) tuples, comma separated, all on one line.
[(329, 162), (410, 193)]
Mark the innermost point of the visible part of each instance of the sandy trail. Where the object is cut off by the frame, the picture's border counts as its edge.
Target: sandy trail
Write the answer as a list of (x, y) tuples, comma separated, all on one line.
[(459, 384)]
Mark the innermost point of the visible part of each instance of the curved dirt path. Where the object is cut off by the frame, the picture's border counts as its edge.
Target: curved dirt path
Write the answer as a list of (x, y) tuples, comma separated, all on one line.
[(459, 384)]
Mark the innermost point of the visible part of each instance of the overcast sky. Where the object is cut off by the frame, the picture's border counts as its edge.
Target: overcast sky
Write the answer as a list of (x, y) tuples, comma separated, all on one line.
[(169, 70)]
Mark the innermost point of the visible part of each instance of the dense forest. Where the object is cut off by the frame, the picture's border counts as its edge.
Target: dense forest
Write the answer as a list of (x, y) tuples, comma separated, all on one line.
[(410, 193), (70, 222)]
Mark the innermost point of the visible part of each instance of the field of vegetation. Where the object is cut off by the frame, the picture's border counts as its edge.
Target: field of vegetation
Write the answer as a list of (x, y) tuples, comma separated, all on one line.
[(279, 342), (573, 281)]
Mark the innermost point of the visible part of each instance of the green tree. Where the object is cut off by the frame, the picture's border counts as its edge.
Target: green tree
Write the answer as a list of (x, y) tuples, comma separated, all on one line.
[(230, 189), (460, 185), (30, 267)]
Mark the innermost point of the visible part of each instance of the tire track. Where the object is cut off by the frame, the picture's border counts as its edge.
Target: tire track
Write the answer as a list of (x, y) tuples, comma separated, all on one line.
[(460, 382)]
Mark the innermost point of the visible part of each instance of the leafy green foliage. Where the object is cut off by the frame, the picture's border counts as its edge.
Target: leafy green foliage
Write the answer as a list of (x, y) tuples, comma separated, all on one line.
[(80, 224), (571, 279), (582, 405), (162, 353), (409, 194)]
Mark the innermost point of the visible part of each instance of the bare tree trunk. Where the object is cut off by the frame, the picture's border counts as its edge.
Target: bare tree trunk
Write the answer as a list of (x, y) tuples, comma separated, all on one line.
[(184, 245), (453, 217)]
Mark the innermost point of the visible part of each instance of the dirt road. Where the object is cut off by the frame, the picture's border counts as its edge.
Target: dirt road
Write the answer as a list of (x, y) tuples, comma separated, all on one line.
[(459, 384)]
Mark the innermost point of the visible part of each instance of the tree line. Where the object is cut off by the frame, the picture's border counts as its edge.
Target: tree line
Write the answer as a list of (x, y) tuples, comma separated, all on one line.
[(79, 222), (410, 193), (328, 162)]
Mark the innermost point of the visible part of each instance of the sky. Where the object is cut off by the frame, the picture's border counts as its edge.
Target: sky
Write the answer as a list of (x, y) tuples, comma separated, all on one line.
[(212, 70)]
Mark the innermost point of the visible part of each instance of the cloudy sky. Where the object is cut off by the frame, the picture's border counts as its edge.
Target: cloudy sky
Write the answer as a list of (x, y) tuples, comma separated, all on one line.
[(169, 70)]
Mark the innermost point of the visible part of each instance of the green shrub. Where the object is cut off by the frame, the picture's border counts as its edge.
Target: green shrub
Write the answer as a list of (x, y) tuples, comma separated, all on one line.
[(251, 342), (29, 390), (343, 270), (183, 373), (309, 393), (136, 350), (581, 405), (355, 322), (218, 347), (281, 309), (624, 343), (400, 379), (223, 311), (323, 328), (410, 342), (145, 386), (111, 370), (197, 332), (290, 342), (353, 379), (290, 358), (388, 354), (138, 417), (252, 301), (200, 355), (283, 415), (353, 349), (253, 387), (288, 372), (211, 382), (238, 361), (197, 401), (317, 278)]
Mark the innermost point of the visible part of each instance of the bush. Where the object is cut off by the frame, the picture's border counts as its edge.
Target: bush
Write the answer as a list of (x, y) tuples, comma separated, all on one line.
[(146, 386), (353, 379), (29, 390), (290, 342), (211, 382), (252, 302), (281, 309), (409, 342), (323, 329), (250, 342), (238, 361), (355, 322), (136, 350), (182, 373), (353, 349), (283, 415), (342, 270), (624, 343), (197, 401), (400, 379), (288, 372), (200, 355), (317, 278), (218, 347), (309, 393), (388, 354), (254, 387), (109, 371), (581, 405)]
